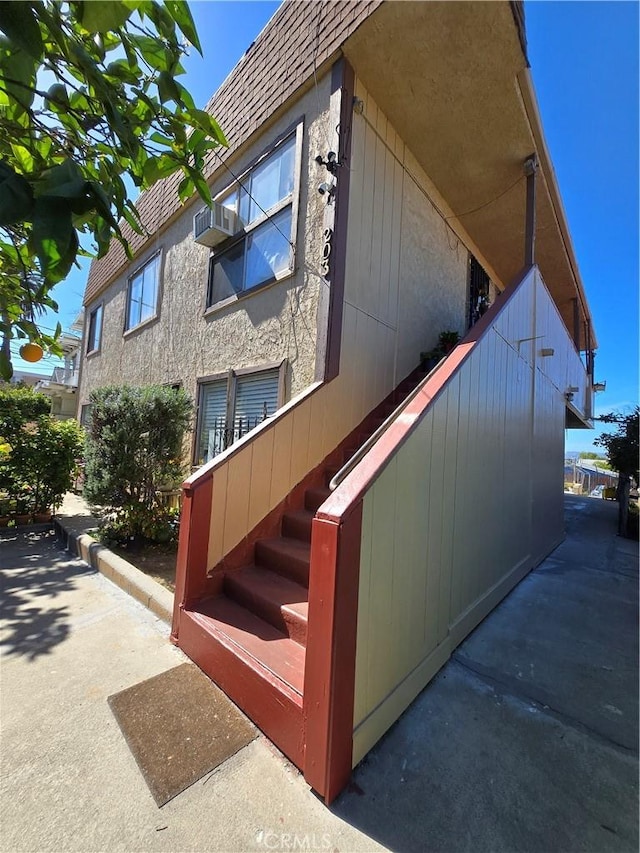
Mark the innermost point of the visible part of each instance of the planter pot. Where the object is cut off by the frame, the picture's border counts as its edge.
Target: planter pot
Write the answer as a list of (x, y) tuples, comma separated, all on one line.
[(42, 517), (23, 518), (4, 520)]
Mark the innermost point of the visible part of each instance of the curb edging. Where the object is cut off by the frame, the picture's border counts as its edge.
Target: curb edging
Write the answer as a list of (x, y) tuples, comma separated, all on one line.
[(116, 569)]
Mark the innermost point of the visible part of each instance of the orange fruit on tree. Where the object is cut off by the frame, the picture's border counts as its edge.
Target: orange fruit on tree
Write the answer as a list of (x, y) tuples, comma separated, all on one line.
[(31, 352)]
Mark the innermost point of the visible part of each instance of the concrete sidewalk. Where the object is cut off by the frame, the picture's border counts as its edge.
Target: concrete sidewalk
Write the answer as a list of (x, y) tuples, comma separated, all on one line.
[(526, 740)]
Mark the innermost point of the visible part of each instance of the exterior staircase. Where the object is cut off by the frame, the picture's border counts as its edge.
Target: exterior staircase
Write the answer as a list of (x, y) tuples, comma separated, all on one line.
[(248, 633)]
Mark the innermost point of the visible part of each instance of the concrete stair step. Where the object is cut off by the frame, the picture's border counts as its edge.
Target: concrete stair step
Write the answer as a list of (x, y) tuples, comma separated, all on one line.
[(276, 599)]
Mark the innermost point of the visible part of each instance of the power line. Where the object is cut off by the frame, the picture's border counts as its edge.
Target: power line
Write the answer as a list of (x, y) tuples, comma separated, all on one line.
[(257, 203)]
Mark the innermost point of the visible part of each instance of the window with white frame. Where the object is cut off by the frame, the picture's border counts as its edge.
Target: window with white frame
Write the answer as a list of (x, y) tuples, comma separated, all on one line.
[(230, 407), (142, 296), (264, 203), (94, 331)]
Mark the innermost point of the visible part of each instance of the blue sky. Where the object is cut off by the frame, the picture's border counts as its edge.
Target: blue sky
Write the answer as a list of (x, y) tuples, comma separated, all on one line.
[(584, 58)]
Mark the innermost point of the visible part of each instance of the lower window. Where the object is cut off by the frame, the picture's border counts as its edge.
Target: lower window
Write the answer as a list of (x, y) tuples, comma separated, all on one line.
[(230, 407)]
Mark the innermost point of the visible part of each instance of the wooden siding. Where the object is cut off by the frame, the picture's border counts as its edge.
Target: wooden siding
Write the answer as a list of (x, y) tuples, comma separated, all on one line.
[(468, 503)]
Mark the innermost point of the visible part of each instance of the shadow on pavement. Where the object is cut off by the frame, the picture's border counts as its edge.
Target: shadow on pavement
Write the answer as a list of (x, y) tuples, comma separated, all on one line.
[(527, 739), (33, 571)]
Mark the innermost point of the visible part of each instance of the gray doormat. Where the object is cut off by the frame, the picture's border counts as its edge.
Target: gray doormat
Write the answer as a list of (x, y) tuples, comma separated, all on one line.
[(179, 726)]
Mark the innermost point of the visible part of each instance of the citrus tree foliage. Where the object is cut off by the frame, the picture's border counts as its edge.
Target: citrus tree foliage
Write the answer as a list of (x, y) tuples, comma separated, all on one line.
[(38, 454), (622, 445), (134, 444), (88, 94)]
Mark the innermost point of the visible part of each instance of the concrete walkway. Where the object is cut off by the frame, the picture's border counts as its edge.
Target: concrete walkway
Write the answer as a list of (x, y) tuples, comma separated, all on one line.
[(526, 741)]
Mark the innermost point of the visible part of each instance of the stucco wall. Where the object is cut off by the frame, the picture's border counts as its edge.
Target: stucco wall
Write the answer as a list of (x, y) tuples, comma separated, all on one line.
[(274, 323)]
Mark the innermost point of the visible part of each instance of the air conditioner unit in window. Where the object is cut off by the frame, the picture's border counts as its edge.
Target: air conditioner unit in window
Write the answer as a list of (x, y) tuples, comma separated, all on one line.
[(212, 225)]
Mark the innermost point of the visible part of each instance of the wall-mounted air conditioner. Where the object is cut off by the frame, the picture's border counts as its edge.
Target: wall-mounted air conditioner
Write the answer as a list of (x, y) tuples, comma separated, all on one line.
[(212, 225)]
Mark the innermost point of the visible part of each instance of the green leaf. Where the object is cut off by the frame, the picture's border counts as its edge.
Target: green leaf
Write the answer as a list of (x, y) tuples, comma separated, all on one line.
[(153, 51), (63, 181), (24, 158), (100, 16), (201, 185), (16, 196), (6, 368), (123, 70), (181, 14), (57, 97), (186, 188), (159, 139), (18, 22), (18, 74), (206, 122), (167, 88), (53, 238)]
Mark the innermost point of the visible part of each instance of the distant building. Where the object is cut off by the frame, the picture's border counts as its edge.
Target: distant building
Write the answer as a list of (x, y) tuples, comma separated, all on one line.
[(62, 385)]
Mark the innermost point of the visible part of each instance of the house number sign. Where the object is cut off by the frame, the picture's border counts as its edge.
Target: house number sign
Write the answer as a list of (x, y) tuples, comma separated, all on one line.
[(327, 237)]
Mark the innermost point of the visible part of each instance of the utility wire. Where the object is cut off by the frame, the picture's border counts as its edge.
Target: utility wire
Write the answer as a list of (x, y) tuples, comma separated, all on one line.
[(257, 203)]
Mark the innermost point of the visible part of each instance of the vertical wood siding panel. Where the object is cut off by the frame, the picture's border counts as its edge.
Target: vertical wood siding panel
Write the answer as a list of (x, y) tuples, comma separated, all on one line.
[(299, 444), (361, 298), (216, 531), (464, 458), (356, 188), (377, 287), (396, 237), (434, 546), (449, 515), (316, 449), (361, 695), (410, 554), (386, 304), (280, 474), (237, 505), (260, 485), (380, 665), (417, 612)]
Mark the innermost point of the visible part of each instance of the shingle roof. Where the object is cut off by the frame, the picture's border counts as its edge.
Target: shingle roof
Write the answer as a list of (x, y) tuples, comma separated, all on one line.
[(300, 36)]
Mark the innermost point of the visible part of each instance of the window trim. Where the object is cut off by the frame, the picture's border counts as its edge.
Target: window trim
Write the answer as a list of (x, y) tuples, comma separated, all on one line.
[(159, 253), (295, 130), (230, 377), (97, 349)]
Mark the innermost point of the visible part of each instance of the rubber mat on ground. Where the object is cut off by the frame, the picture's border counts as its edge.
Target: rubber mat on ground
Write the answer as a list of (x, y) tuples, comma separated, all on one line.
[(179, 727)]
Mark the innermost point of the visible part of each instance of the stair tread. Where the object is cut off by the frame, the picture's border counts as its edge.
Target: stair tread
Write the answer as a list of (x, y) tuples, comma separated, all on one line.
[(300, 513), (316, 497), (268, 646), (272, 587), (287, 545)]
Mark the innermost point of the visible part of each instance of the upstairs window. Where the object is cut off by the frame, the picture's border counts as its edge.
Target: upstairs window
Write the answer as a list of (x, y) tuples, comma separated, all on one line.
[(265, 203), (94, 332), (142, 296)]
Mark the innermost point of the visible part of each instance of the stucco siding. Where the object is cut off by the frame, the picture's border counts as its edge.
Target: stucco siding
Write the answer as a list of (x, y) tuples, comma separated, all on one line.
[(466, 506), (271, 324)]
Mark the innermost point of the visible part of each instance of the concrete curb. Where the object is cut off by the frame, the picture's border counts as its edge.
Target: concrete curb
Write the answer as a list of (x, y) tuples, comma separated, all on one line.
[(130, 579)]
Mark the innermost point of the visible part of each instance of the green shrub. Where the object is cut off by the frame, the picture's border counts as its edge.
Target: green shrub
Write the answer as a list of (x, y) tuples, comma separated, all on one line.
[(39, 454), (134, 446)]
